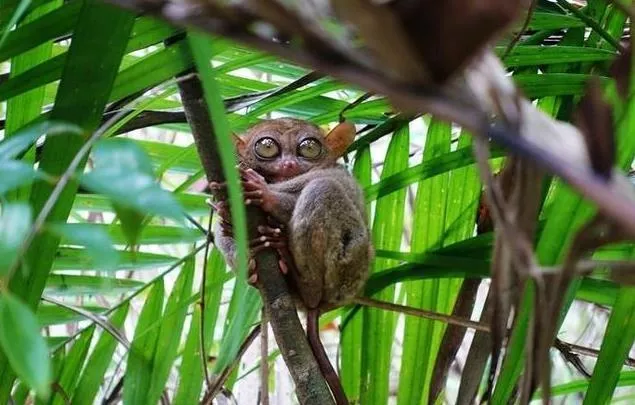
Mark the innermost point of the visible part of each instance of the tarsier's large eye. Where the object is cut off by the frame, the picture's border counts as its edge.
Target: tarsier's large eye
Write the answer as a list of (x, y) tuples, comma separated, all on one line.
[(267, 148), (310, 148)]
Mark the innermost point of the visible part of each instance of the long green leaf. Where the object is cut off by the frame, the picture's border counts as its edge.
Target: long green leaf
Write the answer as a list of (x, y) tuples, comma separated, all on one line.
[(25, 107), (93, 375), (77, 259), (244, 297), (379, 325), (145, 34), (170, 332), (137, 379), (18, 13), (48, 315), (91, 67), (25, 348), (193, 204), (72, 285), (419, 351), (544, 55), (191, 371), (351, 335), (40, 27), (68, 377), (202, 48), (617, 343)]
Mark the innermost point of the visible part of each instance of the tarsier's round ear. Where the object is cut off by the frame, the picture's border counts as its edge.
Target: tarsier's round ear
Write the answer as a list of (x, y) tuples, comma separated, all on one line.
[(239, 143), (340, 138)]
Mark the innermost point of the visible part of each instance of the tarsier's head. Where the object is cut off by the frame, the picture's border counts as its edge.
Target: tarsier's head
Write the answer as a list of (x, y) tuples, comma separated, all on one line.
[(283, 148)]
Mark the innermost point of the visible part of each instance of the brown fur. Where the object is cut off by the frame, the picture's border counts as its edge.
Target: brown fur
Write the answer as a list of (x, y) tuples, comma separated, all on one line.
[(321, 205)]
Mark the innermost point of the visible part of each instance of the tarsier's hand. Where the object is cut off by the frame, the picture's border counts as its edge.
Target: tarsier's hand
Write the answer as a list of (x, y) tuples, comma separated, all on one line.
[(256, 191)]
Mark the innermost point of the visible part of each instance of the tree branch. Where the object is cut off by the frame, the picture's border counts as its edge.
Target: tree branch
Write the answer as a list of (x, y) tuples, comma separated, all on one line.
[(311, 388)]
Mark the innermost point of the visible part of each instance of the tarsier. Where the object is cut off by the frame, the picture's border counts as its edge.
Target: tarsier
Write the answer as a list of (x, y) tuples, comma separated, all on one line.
[(317, 216)]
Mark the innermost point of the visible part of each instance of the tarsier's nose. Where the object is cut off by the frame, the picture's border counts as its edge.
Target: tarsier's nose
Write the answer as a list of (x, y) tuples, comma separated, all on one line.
[(288, 168), (289, 165)]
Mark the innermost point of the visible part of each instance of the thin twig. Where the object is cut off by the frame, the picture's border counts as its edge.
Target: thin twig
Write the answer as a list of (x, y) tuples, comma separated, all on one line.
[(421, 313), (571, 358), (222, 377), (587, 351), (114, 394), (98, 319), (197, 224), (203, 349), (520, 33)]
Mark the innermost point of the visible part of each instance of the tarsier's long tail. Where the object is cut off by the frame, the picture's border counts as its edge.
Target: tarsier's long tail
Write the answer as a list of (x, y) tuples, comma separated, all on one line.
[(313, 333)]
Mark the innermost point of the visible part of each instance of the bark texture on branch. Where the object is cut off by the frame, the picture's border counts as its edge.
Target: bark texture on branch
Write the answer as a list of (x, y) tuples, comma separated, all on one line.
[(311, 388)]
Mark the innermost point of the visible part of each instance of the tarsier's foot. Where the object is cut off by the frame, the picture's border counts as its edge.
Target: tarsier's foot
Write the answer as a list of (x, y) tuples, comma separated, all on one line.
[(285, 262), (222, 209), (271, 236), (219, 189)]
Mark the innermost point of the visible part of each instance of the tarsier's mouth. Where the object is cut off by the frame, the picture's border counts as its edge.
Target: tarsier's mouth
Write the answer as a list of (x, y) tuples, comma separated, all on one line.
[(279, 178), (282, 175)]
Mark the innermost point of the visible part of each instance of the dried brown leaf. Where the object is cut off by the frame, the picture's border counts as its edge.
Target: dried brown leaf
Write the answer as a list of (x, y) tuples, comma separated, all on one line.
[(594, 118), (434, 26), (453, 337), (621, 72), (476, 360)]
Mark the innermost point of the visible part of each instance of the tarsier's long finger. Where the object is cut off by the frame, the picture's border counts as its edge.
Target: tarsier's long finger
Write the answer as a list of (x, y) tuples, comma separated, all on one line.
[(222, 209), (217, 205), (263, 239), (253, 201), (267, 245), (249, 185), (252, 175), (286, 260), (248, 195), (269, 231), (252, 275), (283, 267)]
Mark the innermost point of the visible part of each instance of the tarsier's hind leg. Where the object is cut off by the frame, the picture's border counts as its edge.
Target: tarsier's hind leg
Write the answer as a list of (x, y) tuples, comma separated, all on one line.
[(329, 241)]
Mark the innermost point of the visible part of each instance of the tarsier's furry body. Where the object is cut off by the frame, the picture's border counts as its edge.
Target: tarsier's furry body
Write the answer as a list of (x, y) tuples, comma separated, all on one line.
[(289, 168)]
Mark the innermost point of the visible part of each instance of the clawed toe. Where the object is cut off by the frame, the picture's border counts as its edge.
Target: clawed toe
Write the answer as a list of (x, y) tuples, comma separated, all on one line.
[(284, 269), (252, 277), (269, 231)]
